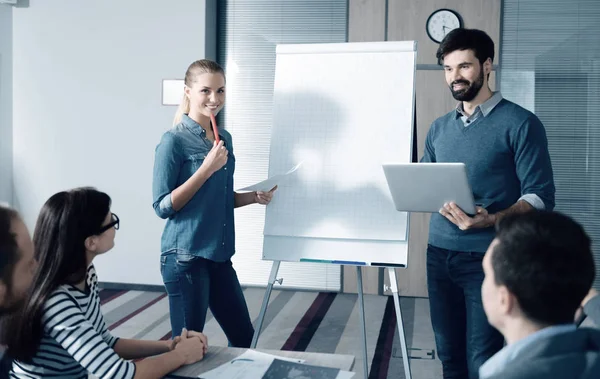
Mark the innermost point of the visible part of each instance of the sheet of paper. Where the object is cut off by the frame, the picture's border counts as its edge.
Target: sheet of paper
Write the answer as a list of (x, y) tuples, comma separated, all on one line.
[(251, 364), (268, 184), (283, 370)]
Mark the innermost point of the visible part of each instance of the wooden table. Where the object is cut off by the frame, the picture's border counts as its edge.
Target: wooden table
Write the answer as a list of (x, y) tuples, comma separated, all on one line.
[(217, 355)]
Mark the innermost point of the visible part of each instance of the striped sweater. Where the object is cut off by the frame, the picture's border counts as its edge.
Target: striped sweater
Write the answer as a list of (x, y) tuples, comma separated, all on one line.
[(76, 340)]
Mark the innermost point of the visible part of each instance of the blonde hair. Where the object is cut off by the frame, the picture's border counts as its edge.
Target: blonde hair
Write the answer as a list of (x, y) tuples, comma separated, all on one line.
[(202, 66)]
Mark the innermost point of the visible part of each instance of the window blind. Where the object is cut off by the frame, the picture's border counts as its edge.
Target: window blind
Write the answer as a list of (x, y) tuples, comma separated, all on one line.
[(248, 33), (551, 65)]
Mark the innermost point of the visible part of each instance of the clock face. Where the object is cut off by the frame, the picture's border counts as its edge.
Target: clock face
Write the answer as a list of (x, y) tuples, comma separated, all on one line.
[(441, 22)]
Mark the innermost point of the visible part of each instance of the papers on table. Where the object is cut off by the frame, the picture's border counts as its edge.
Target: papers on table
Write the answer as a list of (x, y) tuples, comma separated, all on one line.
[(256, 365), (268, 184), (280, 369), (251, 364)]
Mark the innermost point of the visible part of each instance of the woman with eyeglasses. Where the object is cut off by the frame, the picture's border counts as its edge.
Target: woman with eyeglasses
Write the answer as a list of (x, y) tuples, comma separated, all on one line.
[(60, 330), (193, 189)]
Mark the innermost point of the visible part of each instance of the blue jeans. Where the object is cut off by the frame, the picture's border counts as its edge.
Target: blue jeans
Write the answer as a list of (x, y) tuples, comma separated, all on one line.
[(195, 284), (463, 336)]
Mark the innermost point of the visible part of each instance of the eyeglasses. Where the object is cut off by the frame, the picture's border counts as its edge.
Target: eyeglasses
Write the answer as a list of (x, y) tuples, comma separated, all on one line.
[(114, 223)]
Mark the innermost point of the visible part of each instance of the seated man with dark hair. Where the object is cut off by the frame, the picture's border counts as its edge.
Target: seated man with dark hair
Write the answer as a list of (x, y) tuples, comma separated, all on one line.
[(17, 266), (17, 263), (538, 270)]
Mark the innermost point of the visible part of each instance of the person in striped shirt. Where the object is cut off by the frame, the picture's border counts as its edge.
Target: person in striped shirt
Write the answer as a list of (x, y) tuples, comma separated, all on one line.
[(60, 330)]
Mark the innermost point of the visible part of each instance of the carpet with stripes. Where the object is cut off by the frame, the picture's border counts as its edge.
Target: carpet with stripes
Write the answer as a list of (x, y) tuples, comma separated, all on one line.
[(321, 322)]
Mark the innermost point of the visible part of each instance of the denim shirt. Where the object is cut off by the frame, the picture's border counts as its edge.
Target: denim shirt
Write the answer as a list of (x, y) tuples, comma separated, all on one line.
[(204, 226)]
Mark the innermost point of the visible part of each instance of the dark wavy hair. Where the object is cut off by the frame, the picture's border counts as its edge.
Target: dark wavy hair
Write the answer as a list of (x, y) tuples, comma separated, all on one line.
[(467, 39), (64, 223), (9, 249)]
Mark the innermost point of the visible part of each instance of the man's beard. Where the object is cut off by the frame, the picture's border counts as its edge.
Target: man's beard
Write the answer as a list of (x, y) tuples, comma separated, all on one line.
[(470, 92)]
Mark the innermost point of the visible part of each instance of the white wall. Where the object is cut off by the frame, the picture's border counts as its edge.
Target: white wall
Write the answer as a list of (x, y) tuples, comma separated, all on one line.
[(6, 178), (87, 109)]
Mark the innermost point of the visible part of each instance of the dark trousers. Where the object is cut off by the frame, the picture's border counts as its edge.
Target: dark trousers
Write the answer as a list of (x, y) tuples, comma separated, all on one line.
[(463, 336), (196, 284)]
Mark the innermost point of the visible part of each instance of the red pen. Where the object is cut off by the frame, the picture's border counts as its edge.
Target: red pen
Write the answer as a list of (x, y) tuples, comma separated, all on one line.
[(214, 127)]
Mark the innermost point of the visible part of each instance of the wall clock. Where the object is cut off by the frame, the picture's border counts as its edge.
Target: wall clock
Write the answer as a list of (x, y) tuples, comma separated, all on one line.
[(441, 22)]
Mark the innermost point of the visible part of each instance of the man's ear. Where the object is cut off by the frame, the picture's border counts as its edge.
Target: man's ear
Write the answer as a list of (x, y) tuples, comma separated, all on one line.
[(90, 243), (487, 66), (508, 301)]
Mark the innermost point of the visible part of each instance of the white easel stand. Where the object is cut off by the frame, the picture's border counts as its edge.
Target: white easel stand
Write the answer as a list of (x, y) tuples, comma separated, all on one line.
[(394, 288)]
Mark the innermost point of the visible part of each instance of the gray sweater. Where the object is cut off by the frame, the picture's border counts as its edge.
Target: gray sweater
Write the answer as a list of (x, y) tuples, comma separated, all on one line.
[(506, 156)]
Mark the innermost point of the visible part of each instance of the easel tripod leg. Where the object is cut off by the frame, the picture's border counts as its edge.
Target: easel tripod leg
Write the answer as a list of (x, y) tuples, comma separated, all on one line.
[(394, 288), (263, 309), (361, 305)]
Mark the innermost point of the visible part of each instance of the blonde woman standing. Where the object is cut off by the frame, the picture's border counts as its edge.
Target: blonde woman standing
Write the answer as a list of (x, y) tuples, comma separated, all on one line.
[(193, 190)]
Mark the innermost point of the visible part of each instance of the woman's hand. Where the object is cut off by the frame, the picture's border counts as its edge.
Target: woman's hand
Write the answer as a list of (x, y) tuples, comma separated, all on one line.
[(264, 198), (216, 158), (191, 349), (172, 343), (202, 338), (190, 333)]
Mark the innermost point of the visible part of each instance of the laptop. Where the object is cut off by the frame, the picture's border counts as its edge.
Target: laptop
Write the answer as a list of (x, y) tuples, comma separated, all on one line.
[(425, 187)]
